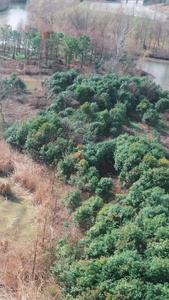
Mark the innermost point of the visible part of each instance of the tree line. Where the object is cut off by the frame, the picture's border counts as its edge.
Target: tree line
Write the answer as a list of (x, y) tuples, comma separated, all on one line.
[(46, 45), (50, 45), (113, 35)]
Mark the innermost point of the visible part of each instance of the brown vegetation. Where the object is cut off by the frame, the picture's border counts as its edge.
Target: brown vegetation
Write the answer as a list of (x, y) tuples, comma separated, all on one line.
[(24, 266), (5, 189)]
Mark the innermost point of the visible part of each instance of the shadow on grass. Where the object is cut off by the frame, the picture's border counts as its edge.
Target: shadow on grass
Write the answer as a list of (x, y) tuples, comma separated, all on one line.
[(163, 128), (12, 198), (133, 128)]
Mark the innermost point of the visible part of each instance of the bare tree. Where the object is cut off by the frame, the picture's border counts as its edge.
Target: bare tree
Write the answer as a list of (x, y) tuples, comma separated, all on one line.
[(121, 29)]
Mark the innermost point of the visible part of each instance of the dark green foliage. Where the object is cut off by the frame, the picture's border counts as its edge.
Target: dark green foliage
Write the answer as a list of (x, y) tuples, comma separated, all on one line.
[(156, 177), (162, 105), (129, 153), (67, 166), (143, 106), (18, 134), (150, 117), (124, 254), (15, 82), (85, 215), (42, 130), (74, 200), (61, 80), (83, 93), (56, 151), (104, 187)]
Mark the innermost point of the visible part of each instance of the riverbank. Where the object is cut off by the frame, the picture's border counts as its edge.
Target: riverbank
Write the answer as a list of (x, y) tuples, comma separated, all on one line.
[(161, 7), (21, 67), (162, 54)]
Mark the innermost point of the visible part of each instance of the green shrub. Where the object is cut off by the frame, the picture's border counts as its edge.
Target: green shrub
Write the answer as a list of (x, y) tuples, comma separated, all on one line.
[(84, 93), (59, 81), (67, 166), (162, 105), (55, 151), (150, 117), (17, 82), (74, 199), (85, 215), (17, 134), (143, 106), (104, 187)]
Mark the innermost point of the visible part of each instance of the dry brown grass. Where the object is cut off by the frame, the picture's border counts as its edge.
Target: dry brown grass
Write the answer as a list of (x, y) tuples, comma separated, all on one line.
[(31, 176), (5, 158), (6, 190), (24, 268), (24, 271)]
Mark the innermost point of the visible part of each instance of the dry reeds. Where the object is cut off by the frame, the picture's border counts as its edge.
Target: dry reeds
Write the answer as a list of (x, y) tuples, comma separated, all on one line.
[(24, 268), (16, 272), (5, 158), (31, 176)]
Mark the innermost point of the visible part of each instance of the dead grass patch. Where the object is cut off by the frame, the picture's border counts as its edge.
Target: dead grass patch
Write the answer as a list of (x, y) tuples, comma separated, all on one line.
[(6, 154), (26, 175), (17, 275), (6, 190), (24, 266), (31, 176)]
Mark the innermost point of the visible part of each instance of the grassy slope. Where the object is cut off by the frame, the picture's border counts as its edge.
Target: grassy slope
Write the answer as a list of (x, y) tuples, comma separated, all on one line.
[(17, 216)]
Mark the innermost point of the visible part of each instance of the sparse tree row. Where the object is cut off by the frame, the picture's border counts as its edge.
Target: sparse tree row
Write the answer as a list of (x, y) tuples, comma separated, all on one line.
[(47, 45)]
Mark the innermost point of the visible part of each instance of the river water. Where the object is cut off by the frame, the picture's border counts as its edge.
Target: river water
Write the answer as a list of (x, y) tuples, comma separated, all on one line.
[(159, 69), (14, 16)]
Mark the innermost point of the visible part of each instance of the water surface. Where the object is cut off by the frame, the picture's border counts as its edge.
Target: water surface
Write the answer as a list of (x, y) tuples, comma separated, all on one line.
[(15, 15), (159, 69)]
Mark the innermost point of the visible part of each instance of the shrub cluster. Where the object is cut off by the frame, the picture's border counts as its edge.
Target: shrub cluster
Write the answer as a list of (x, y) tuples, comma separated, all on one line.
[(125, 253)]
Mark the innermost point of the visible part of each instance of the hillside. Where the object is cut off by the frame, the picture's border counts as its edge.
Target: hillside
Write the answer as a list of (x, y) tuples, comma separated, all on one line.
[(101, 137)]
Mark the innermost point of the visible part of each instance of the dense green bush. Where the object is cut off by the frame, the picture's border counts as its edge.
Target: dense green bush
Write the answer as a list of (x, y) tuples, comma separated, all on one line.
[(162, 105), (124, 254), (74, 199), (67, 166), (55, 151), (15, 82), (150, 117), (18, 134), (143, 106), (84, 93), (104, 187), (85, 215), (59, 81)]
